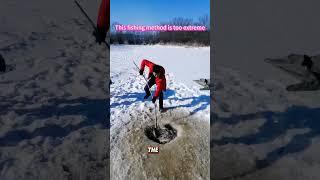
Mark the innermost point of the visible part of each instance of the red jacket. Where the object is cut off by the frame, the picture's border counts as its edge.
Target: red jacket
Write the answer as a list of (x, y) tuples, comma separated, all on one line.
[(103, 21), (160, 80)]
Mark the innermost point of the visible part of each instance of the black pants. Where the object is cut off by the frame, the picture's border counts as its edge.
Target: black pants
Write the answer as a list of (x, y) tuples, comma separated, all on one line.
[(152, 82)]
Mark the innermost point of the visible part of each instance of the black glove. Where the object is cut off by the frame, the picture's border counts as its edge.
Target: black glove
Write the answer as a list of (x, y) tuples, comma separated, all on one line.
[(100, 35), (141, 72), (154, 99)]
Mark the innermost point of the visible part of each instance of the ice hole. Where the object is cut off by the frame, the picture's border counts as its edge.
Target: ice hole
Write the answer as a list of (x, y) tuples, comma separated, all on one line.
[(161, 134)]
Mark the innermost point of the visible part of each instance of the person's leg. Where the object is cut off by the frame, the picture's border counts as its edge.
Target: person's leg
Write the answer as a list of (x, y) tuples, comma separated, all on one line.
[(146, 89), (151, 82), (161, 100)]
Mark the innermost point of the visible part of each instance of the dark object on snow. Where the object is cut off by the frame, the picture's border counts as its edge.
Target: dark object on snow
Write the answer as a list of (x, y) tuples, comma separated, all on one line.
[(302, 67), (110, 82), (203, 82), (307, 62), (304, 86), (66, 169), (100, 35), (161, 135), (2, 64), (140, 72)]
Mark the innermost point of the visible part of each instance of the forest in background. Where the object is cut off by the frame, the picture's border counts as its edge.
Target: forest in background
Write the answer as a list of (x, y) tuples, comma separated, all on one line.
[(199, 38)]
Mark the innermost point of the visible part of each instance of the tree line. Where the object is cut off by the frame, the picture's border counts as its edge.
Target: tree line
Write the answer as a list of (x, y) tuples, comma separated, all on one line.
[(201, 38)]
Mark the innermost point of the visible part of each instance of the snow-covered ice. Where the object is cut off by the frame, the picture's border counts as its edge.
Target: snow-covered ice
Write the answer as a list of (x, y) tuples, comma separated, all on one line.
[(260, 130), (183, 65), (53, 105)]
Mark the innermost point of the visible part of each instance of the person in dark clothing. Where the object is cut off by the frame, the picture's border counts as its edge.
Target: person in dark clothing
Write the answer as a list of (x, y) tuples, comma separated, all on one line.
[(156, 76)]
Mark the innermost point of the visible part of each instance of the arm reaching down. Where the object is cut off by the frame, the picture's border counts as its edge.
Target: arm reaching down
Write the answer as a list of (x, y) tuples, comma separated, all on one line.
[(147, 63)]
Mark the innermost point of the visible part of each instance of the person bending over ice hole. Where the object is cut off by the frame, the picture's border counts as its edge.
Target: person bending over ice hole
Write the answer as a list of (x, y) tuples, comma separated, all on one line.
[(156, 76)]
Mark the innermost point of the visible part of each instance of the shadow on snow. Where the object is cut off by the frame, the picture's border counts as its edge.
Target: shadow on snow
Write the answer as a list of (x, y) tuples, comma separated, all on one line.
[(96, 112), (202, 100), (295, 117)]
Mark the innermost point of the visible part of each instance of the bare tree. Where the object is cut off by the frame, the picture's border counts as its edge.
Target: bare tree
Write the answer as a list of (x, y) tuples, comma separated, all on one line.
[(179, 37), (204, 21)]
